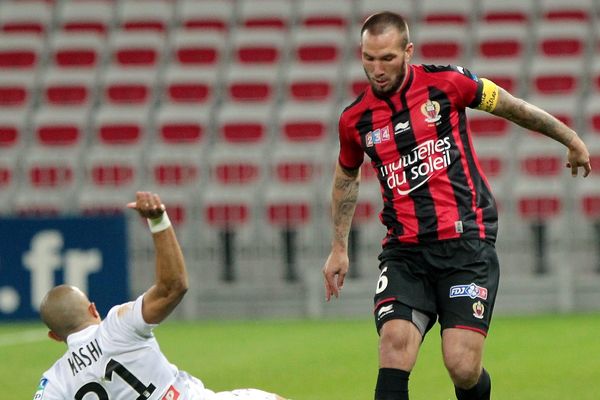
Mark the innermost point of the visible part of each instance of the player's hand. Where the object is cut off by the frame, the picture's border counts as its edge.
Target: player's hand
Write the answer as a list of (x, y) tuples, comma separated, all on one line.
[(334, 273), (147, 204), (578, 156)]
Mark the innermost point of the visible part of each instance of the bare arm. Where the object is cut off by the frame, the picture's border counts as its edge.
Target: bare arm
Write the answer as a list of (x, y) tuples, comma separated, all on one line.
[(344, 195), (534, 118), (171, 281)]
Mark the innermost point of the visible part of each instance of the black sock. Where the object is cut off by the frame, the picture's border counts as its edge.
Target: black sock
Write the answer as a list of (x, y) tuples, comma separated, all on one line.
[(392, 384), (481, 391)]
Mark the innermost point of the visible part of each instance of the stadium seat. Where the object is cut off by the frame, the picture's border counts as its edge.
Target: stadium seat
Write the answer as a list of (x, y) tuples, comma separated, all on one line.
[(60, 128), (593, 77), (190, 85), (556, 78), (263, 47), (574, 11), (109, 169), (445, 12), (34, 203), (355, 81), (317, 13), (441, 44), (311, 83), (204, 15), (147, 15), (487, 126), (92, 200), (197, 48), (14, 128), (275, 14), (591, 117), (47, 170), (21, 51), (136, 49), (91, 16), (244, 123), (507, 74), (182, 128), (118, 127), (501, 41), (318, 45), (298, 164), (76, 50), (32, 16), (17, 89), (250, 84), (554, 40), (513, 11), (69, 88), (406, 8), (304, 123), (174, 170), (120, 85), (235, 165)]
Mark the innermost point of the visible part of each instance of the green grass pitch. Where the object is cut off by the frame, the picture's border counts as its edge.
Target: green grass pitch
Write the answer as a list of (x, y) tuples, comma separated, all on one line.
[(532, 357)]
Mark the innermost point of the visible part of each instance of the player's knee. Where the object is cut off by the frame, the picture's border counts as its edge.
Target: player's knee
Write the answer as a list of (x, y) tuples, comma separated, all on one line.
[(464, 373)]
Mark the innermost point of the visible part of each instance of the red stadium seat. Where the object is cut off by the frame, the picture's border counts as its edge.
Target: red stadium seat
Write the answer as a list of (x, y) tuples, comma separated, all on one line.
[(76, 50), (441, 44), (513, 11), (556, 78), (591, 116), (296, 164), (112, 170), (31, 16), (16, 89), (13, 125), (575, 11), (190, 85), (250, 84), (244, 123), (507, 74), (263, 47), (260, 14), (355, 81), (204, 15), (457, 12), (121, 127), (197, 48), (407, 8), (501, 41), (561, 40), (128, 86), (136, 49), (317, 13), (62, 87), (304, 123), (60, 128), (20, 51), (170, 170), (308, 83), (91, 16), (318, 45), (149, 15), (182, 127), (236, 165)]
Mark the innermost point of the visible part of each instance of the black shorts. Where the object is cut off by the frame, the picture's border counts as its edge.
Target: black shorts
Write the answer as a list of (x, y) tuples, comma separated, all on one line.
[(455, 281)]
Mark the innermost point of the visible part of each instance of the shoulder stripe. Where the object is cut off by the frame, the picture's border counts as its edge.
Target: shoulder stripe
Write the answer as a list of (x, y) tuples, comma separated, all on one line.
[(356, 101)]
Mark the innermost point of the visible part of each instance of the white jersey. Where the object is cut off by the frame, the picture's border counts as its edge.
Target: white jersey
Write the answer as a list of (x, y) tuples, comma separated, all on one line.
[(119, 359)]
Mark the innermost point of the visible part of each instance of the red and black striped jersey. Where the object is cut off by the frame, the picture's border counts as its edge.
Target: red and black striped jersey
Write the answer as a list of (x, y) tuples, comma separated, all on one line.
[(420, 146)]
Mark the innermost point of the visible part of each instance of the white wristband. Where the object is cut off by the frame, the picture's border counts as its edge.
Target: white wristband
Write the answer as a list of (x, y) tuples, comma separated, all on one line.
[(159, 224)]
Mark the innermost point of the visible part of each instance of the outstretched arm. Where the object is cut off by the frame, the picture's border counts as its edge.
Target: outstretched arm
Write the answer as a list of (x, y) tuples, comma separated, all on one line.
[(171, 282), (534, 118), (344, 195)]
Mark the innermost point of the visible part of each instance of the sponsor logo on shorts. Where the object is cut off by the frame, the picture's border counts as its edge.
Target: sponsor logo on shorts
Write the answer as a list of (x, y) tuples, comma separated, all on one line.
[(478, 310), (385, 310), (471, 290), (171, 394)]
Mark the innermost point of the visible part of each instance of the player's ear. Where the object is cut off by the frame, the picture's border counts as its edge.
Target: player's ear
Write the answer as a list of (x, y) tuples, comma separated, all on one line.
[(408, 51), (93, 311), (52, 335)]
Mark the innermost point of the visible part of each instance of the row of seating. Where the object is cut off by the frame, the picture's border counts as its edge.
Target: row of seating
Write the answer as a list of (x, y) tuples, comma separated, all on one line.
[(100, 16)]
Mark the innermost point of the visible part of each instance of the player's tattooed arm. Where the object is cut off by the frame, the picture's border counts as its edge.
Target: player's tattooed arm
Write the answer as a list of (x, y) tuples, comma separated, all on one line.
[(532, 117), (344, 196)]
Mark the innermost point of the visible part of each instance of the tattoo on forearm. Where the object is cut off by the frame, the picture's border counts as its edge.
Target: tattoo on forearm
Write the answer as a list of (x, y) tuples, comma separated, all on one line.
[(344, 203)]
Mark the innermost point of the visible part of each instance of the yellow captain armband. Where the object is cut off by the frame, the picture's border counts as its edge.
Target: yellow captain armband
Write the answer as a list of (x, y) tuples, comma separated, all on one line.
[(489, 96)]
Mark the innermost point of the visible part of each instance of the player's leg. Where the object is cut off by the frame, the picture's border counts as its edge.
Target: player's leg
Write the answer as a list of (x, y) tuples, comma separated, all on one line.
[(400, 326), (466, 294)]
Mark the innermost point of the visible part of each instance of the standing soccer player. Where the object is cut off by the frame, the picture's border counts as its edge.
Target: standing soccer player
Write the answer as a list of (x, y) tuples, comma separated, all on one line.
[(438, 259), (118, 358)]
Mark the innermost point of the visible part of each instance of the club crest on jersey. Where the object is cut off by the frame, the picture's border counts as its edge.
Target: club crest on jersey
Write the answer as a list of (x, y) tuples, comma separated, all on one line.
[(478, 310), (377, 136), (431, 111)]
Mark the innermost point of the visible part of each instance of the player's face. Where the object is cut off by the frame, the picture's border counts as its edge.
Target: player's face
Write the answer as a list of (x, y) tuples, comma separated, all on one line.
[(384, 58)]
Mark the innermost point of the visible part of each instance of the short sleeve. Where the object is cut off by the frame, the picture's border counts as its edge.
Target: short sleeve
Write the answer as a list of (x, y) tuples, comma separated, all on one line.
[(47, 390), (468, 87), (351, 153), (127, 320)]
